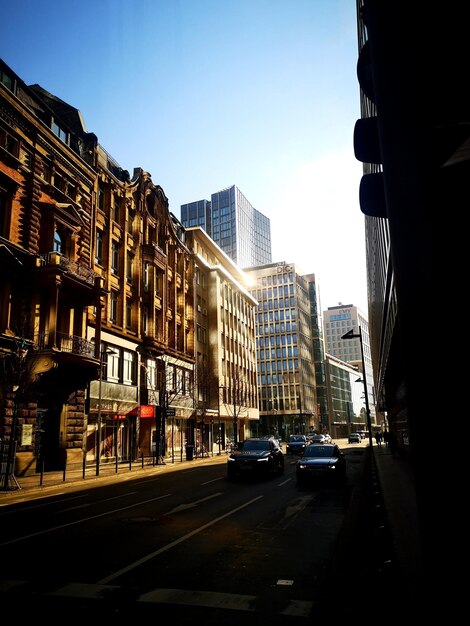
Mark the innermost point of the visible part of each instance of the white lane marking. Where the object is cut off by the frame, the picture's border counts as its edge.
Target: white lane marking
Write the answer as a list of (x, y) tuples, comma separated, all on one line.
[(214, 480), (212, 599), (219, 600), (191, 505), (81, 521), (150, 556), (88, 504), (187, 597)]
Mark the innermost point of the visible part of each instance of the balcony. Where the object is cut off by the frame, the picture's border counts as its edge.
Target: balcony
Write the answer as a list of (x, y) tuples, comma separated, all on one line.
[(72, 344), (65, 362), (68, 266)]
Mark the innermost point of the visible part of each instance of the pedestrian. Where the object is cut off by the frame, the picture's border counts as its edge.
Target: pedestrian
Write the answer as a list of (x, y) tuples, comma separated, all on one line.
[(378, 438), (385, 437)]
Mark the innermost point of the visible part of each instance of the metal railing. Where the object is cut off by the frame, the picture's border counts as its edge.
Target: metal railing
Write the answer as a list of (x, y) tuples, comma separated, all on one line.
[(65, 343), (69, 265)]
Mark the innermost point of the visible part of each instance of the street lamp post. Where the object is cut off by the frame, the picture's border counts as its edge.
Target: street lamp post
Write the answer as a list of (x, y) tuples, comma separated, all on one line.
[(351, 335), (220, 425)]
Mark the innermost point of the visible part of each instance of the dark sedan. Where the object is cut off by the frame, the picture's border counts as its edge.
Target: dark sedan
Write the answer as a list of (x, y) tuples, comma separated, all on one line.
[(256, 457), (321, 461), (296, 444)]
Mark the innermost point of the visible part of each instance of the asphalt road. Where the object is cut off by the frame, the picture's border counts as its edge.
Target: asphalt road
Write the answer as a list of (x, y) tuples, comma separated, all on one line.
[(188, 545)]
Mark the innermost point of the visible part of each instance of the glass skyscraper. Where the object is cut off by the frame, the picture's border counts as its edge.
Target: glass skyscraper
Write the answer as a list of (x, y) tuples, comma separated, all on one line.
[(242, 232)]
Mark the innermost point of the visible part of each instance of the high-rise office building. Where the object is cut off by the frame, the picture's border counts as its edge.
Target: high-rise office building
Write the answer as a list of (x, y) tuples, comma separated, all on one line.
[(285, 349), (337, 321), (242, 232)]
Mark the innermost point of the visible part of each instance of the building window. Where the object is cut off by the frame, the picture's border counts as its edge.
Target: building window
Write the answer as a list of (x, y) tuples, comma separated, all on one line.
[(130, 267), (145, 321), (58, 243), (114, 307), (101, 197), (116, 208), (60, 132), (151, 374), (6, 80), (113, 366), (115, 257), (146, 276), (128, 368), (9, 143), (128, 315), (99, 247), (159, 284)]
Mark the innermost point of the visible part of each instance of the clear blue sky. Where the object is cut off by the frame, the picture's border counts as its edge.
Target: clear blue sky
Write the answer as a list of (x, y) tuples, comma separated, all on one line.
[(205, 94)]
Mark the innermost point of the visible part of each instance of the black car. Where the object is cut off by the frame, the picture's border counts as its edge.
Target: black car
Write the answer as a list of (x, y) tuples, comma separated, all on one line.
[(296, 444), (321, 461), (256, 457)]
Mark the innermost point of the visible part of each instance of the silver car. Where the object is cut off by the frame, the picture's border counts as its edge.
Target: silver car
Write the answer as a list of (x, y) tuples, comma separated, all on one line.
[(354, 438)]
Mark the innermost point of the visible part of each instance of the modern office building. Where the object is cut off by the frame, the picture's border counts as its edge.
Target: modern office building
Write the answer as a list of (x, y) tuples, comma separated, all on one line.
[(316, 321), (285, 353), (337, 321), (242, 232), (345, 394)]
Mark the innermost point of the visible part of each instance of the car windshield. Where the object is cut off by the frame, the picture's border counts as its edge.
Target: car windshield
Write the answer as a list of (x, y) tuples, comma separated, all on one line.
[(296, 438), (319, 451), (254, 445)]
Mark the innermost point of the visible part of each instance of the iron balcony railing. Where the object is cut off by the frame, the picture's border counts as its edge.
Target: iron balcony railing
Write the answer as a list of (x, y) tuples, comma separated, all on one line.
[(65, 343), (69, 265)]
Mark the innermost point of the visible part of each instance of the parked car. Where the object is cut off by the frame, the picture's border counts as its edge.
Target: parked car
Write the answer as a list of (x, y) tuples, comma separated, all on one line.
[(296, 444), (261, 457), (317, 438), (321, 461), (354, 438)]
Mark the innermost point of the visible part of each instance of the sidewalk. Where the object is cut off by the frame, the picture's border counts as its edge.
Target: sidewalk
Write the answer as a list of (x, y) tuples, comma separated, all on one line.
[(397, 486), (52, 482), (378, 564)]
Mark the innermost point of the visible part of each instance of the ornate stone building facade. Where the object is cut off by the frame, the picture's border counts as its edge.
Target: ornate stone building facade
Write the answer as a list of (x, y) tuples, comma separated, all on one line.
[(96, 293)]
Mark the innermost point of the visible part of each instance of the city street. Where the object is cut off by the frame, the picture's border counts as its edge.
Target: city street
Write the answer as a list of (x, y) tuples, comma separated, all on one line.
[(185, 543)]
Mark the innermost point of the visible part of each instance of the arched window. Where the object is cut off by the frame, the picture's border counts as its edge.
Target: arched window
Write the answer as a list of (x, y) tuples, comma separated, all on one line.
[(58, 243)]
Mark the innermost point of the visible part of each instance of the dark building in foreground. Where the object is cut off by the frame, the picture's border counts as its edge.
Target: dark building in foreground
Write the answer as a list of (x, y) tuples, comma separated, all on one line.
[(413, 140)]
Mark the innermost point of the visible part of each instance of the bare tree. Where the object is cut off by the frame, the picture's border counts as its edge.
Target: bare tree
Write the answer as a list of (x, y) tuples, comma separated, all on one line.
[(206, 391), (237, 398), (17, 380), (169, 380)]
